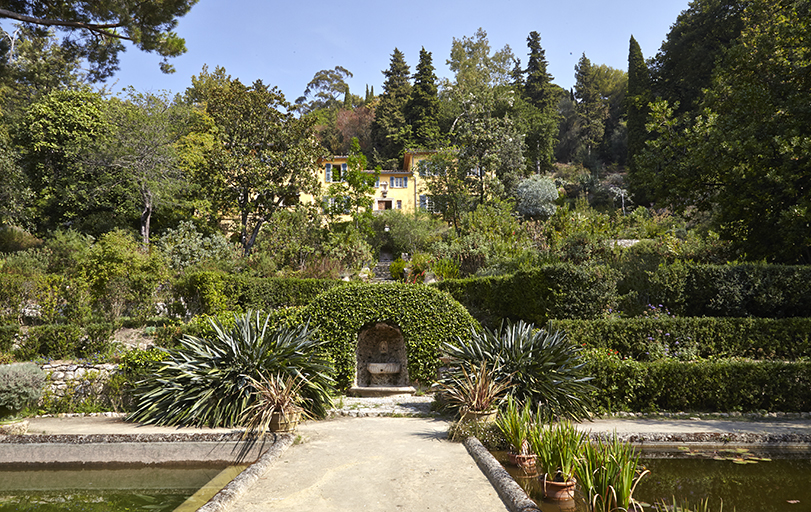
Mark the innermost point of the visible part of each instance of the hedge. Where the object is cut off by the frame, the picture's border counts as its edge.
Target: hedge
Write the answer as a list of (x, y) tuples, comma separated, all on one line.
[(537, 295), (637, 338), (709, 386), (7, 335), (65, 341), (425, 316), (211, 293)]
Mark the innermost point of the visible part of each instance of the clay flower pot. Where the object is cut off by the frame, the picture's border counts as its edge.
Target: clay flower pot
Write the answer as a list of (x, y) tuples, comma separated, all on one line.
[(558, 490), (525, 461)]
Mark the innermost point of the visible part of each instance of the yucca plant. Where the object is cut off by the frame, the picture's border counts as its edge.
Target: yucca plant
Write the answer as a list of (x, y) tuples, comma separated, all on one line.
[(608, 472), (207, 381), (543, 368), (475, 390)]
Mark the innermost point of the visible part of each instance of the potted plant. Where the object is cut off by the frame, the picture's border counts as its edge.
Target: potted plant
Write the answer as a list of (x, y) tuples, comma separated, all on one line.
[(277, 408), (558, 448), (515, 424), (20, 386), (608, 472), (476, 394)]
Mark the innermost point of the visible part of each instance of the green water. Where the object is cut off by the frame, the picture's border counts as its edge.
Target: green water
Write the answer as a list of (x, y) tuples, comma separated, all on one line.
[(781, 484), (95, 489)]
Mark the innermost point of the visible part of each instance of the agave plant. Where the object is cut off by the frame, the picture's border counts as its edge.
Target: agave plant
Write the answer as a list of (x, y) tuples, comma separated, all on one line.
[(543, 368), (207, 381)]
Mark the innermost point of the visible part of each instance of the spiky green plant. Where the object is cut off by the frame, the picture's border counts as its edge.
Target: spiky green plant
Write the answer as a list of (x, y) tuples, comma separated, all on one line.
[(681, 506), (544, 369), (608, 472), (207, 381), (515, 422), (557, 447)]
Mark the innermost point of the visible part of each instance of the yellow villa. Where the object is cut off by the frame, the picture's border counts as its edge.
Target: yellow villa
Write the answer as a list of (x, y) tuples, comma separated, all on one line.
[(393, 190)]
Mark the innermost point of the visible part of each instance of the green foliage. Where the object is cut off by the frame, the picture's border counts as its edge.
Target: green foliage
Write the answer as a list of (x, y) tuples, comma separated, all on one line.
[(639, 338), (8, 333), (608, 472), (52, 341), (536, 197), (390, 132), (397, 269), (474, 391), (13, 239), (544, 369), (558, 448), (445, 268), (20, 386), (262, 159), (207, 382), (537, 295), (408, 234), (426, 317), (123, 280), (515, 421), (721, 385), (186, 247), (15, 292), (422, 109), (85, 395)]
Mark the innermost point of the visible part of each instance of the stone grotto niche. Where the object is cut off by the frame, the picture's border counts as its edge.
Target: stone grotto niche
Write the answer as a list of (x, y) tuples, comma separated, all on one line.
[(381, 360)]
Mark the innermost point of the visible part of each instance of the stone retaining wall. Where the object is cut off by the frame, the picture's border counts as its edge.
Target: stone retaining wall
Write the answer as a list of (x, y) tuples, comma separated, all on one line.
[(83, 378)]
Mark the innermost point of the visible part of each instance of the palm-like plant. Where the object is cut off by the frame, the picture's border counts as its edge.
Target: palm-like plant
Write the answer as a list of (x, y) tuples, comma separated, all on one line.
[(276, 394), (207, 381), (544, 369)]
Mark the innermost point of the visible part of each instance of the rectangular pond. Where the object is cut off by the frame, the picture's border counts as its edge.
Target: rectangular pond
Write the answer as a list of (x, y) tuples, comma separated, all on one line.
[(111, 487), (745, 481)]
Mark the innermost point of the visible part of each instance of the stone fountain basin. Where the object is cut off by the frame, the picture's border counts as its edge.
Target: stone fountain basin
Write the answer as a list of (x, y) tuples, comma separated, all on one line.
[(384, 368)]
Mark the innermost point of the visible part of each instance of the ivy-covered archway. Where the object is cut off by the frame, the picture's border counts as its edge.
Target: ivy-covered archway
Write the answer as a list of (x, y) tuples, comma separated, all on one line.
[(426, 317)]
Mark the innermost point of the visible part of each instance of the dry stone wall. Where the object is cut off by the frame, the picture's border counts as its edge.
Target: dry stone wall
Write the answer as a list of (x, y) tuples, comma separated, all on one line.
[(82, 378)]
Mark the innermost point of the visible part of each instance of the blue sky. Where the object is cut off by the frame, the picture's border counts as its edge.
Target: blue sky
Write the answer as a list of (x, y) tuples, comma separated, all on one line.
[(285, 43)]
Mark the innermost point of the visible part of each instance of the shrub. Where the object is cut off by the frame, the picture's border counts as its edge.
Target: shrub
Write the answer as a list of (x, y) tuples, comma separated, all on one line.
[(52, 341), (185, 247), (536, 197), (8, 333), (720, 385), (753, 338), (537, 295), (397, 269), (207, 382), (133, 366), (20, 386), (544, 369)]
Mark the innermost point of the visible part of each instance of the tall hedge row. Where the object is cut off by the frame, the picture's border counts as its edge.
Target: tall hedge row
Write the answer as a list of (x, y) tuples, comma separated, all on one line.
[(567, 291), (210, 293), (753, 338), (723, 385), (537, 295)]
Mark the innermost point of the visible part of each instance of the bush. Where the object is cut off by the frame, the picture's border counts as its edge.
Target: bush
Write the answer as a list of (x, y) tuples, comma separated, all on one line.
[(20, 386), (134, 366), (752, 338), (52, 342), (426, 318), (543, 368), (8, 333), (206, 382), (721, 385), (397, 269)]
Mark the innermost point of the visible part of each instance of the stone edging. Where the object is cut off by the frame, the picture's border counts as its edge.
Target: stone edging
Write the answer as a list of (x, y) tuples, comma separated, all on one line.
[(118, 438), (223, 500), (510, 492)]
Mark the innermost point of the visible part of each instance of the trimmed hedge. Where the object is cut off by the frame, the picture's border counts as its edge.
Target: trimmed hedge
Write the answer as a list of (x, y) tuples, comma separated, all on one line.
[(753, 338), (59, 341), (211, 293), (7, 335), (537, 295), (709, 386), (425, 316)]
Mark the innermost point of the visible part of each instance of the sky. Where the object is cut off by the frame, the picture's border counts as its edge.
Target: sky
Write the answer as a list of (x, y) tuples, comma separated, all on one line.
[(285, 43)]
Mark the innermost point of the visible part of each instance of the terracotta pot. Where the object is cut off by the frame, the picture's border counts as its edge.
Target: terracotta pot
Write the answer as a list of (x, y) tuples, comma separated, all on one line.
[(558, 490), (483, 416), (524, 461), (284, 422)]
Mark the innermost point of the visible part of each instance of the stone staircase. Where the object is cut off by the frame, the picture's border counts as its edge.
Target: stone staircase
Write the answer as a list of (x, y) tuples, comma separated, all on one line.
[(381, 270)]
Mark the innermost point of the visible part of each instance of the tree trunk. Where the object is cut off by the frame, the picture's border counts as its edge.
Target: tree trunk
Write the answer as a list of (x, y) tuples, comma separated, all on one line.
[(146, 214)]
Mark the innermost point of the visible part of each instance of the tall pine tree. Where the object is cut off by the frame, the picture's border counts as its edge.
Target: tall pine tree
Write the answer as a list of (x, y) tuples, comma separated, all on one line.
[(540, 117), (390, 132), (636, 104), (422, 110), (539, 88), (591, 109)]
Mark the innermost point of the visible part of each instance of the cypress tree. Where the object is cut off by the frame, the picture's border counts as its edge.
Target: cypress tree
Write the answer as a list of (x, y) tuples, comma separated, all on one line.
[(636, 104), (389, 129), (538, 86), (422, 110)]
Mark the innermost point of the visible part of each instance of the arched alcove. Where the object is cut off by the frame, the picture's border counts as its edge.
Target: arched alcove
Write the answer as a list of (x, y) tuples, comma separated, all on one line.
[(380, 343)]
